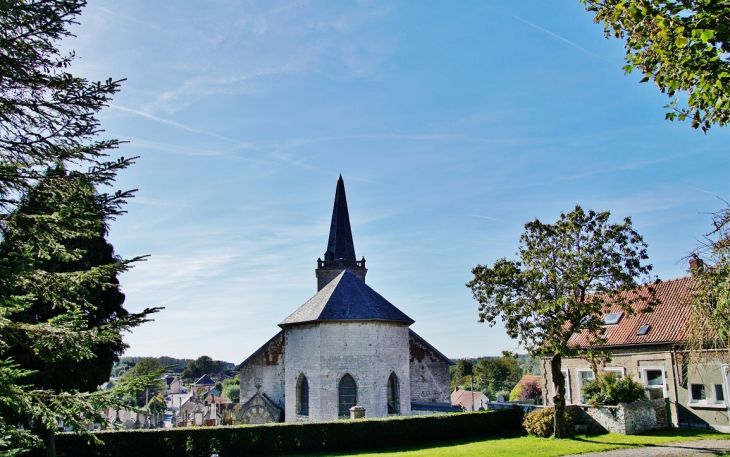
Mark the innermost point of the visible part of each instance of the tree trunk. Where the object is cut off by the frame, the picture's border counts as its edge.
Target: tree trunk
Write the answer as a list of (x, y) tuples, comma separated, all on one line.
[(49, 439), (559, 398)]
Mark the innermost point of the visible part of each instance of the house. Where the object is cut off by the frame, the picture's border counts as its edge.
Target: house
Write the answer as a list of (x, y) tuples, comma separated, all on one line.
[(203, 382), (174, 386), (648, 347), (345, 346), (468, 400)]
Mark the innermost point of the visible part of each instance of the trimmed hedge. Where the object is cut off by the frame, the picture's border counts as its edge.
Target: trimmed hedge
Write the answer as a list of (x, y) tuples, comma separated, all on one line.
[(293, 438)]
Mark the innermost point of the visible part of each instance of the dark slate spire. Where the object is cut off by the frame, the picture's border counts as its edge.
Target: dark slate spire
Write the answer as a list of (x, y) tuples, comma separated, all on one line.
[(340, 245)]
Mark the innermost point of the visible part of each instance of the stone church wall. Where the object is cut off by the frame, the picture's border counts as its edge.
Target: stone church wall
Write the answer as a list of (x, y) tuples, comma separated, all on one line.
[(430, 380), (265, 368), (325, 352)]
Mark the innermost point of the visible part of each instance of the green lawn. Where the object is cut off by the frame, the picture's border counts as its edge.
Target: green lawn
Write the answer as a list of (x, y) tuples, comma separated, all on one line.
[(531, 446)]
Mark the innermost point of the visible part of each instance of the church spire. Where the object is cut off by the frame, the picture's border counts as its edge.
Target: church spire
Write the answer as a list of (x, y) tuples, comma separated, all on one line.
[(340, 245), (340, 253)]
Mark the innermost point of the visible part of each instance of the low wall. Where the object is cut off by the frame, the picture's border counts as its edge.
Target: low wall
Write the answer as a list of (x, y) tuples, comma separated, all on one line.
[(625, 419)]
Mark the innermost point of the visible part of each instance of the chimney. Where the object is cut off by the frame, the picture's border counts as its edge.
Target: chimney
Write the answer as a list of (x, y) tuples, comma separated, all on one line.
[(696, 265)]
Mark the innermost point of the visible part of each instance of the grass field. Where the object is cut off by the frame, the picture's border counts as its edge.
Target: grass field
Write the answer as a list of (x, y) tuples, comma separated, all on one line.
[(544, 447)]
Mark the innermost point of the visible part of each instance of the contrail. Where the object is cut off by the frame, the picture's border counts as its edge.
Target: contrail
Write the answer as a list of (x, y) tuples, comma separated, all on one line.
[(490, 218), (162, 120), (555, 35)]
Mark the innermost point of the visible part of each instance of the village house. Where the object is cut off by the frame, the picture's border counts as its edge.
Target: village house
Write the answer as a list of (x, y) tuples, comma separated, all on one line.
[(649, 347), (468, 400), (347, 346), (174, 386), (204, 382)]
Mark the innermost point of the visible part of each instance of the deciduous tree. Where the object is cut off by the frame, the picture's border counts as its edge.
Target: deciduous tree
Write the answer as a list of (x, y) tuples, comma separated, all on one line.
[(681, 45), (710, 322), (495, 375), (567, 275)]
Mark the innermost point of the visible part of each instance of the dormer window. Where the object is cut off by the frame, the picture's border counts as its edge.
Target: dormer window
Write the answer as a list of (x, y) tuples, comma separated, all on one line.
[(612, 318)]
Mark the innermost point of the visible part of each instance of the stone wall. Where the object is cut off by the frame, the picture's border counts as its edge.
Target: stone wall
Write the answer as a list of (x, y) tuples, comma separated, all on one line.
[(265, 368), (624, 419), (368, 351), (429, 372)]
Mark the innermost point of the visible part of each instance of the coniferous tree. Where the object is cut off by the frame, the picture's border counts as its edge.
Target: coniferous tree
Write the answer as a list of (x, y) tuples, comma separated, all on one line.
[(48, 282), (103, 301)]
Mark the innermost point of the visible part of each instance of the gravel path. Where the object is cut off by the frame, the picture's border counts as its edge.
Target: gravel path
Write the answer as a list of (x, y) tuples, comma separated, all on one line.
[(699, 447)]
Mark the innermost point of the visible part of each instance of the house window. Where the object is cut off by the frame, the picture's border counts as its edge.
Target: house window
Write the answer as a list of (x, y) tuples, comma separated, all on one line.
[(393, 394), (620, 372), (347, 394), (698, 393), (583, 377), (719, 394), (612, 318), (653, 379), (568, 393), (303, 397)]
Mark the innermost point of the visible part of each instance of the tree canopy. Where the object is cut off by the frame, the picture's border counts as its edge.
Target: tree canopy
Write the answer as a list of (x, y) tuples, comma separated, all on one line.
[(568, 274), (682, 45), (204, 365), (147, 369), (497, 375), (102, 303)]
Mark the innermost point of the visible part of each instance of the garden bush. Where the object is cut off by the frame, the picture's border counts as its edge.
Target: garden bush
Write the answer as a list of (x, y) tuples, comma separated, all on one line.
[(609, 389), (295, 438), (541, 422)]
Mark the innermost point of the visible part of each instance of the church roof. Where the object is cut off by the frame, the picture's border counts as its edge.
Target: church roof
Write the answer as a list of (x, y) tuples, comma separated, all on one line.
[(346, 298), (340, 244)]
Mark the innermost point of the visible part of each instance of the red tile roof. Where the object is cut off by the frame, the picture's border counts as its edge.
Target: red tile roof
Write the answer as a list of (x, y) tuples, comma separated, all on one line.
[(668, 321), (526, 379)]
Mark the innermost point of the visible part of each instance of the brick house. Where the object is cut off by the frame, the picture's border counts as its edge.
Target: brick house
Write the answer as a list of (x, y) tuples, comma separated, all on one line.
[(648, 347), (346, 346)]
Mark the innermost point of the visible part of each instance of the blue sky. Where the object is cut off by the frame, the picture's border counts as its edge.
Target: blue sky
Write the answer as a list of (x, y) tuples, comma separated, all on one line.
[(452, 123)]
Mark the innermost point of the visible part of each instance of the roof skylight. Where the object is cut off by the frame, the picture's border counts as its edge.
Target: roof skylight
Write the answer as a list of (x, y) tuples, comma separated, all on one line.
[(643, 330), (612, 318)]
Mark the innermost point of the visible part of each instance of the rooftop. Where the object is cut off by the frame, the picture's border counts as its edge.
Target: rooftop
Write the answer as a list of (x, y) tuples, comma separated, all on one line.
[(667, 323), (346, 298)]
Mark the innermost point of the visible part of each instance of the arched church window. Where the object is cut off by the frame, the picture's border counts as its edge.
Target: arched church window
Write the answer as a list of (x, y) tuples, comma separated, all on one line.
[(393, 394), (347, 394), (303, 396)]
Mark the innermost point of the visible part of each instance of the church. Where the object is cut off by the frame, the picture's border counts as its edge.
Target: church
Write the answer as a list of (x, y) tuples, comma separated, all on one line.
[(346, 346)]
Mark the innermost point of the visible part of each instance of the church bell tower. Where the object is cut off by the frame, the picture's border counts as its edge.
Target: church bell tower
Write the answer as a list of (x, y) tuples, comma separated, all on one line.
[(340, 253)]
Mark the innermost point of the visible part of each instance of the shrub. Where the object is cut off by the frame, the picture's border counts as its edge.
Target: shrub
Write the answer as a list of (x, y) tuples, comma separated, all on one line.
[(515, 394), (541, 422), (608, 389), (293, 438), (531, 391)]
